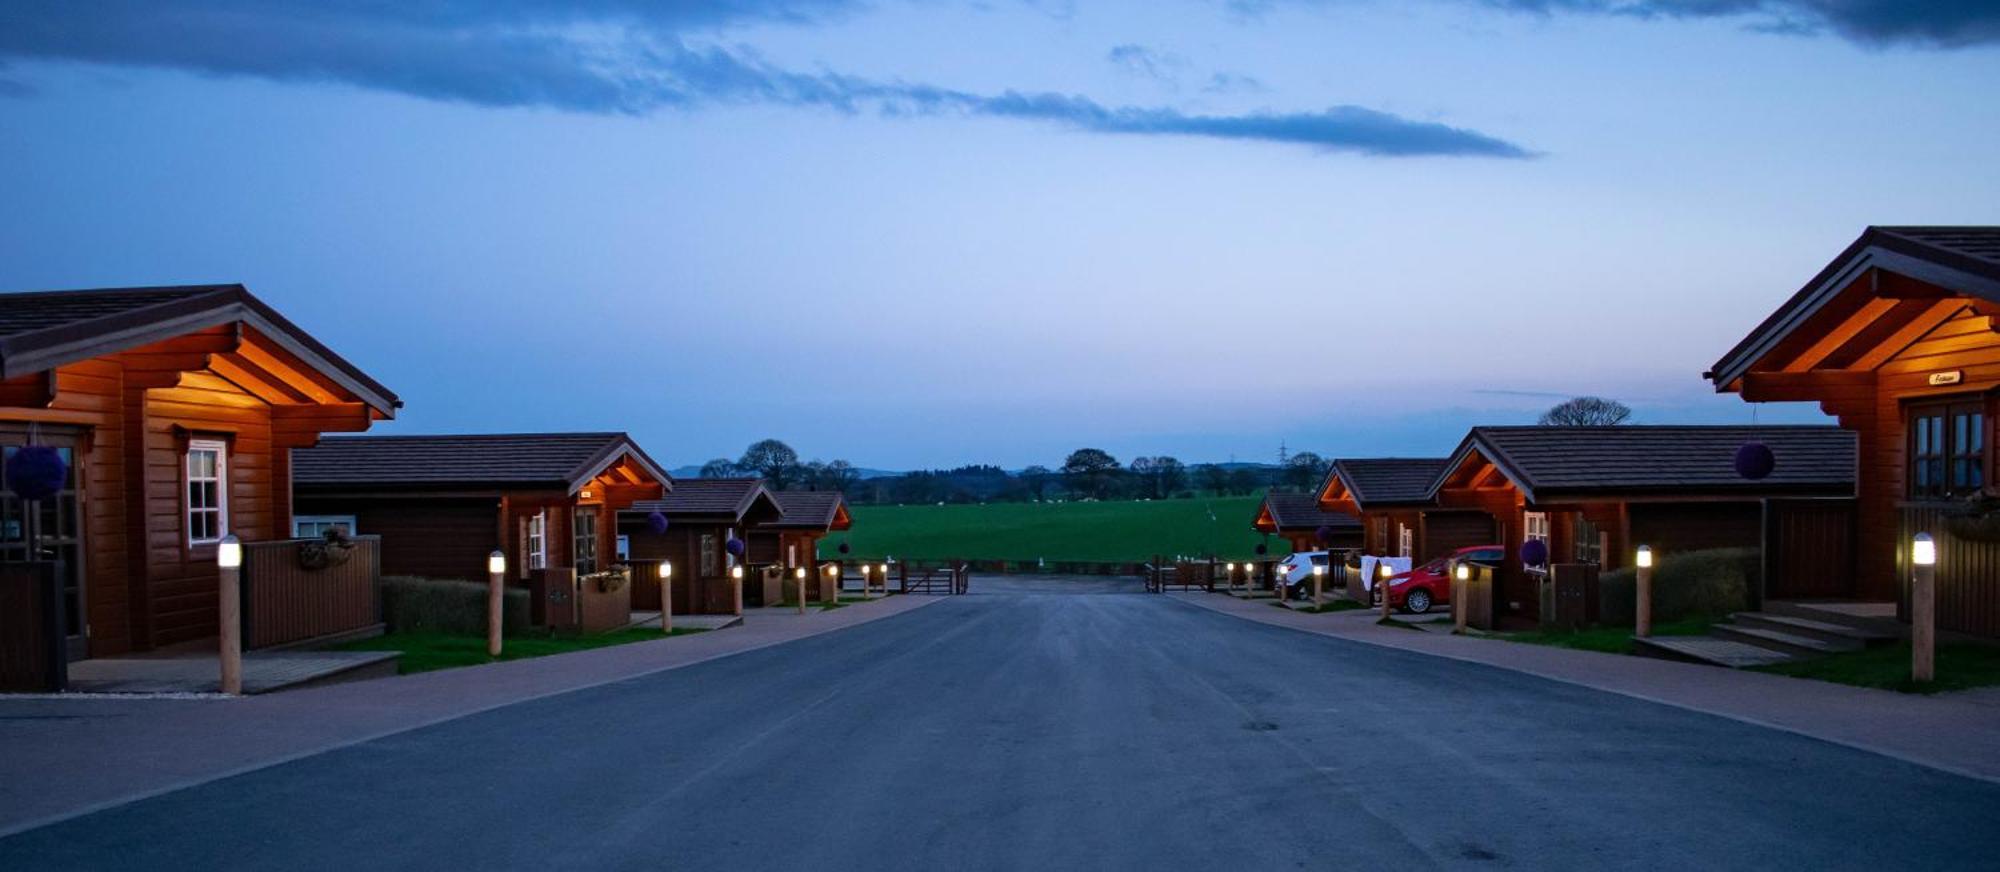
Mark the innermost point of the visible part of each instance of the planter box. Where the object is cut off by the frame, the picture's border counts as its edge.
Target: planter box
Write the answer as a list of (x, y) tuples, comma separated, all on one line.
[(599, 612)]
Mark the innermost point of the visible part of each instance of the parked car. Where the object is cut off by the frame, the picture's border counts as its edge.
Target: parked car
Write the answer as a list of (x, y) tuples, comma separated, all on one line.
[(1296, 569), (1428, 585)]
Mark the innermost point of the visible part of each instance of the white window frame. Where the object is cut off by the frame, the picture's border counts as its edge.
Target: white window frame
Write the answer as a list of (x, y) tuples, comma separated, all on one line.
[(537, 544), (1535, 525), (1405, 540), (322, 522), (221, 481)]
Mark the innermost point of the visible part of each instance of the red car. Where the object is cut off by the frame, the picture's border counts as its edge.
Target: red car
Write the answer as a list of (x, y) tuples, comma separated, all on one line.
[(1430, 584)]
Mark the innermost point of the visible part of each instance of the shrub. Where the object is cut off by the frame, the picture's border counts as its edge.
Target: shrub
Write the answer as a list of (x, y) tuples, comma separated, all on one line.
[(411, 604), (1685, 585)]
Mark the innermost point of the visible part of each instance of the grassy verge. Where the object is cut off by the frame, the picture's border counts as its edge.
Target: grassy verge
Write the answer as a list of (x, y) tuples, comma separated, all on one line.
[(1611, 640), (1960, 666), (424, 652)]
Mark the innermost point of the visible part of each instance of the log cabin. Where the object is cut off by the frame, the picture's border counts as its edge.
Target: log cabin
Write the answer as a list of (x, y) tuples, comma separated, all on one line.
[(441, 504), (793, 539), (1896, 338), (1591, 495), (1388, 496), (703, 515), (1297, 518), (177, 410)]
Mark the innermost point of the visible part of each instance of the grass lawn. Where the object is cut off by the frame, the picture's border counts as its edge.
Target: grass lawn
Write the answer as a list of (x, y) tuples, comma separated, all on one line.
[(1108, 531), (1960, 666), (1612, 640), (423, 652)]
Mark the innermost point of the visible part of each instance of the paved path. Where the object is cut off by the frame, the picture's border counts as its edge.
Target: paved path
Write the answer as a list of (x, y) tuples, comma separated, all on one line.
[(1956, 732), (1023, 729)]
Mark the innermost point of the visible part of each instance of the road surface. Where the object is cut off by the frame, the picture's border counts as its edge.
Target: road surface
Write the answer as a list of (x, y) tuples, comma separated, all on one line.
[(1045, 725)]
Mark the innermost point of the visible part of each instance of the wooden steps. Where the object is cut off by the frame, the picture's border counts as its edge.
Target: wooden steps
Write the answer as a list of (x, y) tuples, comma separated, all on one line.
[(1783, 632)]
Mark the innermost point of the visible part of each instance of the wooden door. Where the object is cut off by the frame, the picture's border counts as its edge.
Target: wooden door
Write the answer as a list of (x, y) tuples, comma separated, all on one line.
[(1809, 549), (49, 531)]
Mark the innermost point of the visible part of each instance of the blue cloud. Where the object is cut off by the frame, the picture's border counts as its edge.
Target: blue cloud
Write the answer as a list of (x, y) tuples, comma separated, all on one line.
[(610, 56), (1943, 24)]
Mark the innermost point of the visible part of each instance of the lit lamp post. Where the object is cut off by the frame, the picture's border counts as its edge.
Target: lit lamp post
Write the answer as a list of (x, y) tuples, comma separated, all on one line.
[(800, 575), (884, 572), (1319, 578), (229, 586), (667, 597), (1923, 608), (832, 585), (1229, 574), (1642, 603), (496, 574), (864, 581), (1461, 576), (736, 588), (1385, 570)]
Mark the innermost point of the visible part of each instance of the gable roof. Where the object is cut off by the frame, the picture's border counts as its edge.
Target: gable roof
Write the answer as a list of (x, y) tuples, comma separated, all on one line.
[(1289, 512), (811, 510), (1963, 259), (1550, 464), (724, 499), (568, 460), (1381, 482), (41, 330)]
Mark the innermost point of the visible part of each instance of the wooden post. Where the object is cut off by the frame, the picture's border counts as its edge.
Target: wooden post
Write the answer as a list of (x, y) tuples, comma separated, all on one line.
[(1460, 573), (736, 590), (496, 576), (1923, 610), (1382, 572), (229, 587), (1319, 579), (800, 574), (1642, 602), (667, 597)]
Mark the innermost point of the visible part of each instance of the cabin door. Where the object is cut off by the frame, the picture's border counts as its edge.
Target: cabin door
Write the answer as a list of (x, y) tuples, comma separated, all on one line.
[(49, 530)]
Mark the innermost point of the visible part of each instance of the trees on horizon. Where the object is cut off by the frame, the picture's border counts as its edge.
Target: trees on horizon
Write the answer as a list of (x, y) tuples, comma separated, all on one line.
[(1586, 412)]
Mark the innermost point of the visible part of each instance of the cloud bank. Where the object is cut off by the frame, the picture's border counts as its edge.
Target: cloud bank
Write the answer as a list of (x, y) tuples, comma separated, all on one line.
[(613, 56)]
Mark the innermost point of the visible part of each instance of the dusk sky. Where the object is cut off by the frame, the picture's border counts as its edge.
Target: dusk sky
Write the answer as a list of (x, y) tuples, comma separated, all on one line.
[(929, 233)]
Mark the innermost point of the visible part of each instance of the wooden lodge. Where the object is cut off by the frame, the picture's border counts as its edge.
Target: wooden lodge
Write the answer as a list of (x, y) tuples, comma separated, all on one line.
[(1591, 495), (1389, 496), (703, 516), (1897, 338), (792, 540), (176, 410), (441, 504), (1297, 518)]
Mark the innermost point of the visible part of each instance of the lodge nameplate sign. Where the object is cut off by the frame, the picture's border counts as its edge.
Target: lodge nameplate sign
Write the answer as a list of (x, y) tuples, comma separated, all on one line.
[(1947, 378)]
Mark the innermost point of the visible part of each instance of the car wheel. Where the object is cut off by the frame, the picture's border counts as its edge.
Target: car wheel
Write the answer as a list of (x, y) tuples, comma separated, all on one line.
[(1418, 602)]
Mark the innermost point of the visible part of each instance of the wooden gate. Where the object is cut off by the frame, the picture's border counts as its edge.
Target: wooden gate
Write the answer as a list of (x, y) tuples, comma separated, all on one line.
[(32, 657), (1808, 549)]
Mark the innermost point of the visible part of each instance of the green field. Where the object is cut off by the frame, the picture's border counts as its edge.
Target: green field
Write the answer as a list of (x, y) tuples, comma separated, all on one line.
[(1109, 531)]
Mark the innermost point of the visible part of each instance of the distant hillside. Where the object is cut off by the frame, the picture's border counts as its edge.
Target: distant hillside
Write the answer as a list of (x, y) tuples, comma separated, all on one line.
[(1110, 531)]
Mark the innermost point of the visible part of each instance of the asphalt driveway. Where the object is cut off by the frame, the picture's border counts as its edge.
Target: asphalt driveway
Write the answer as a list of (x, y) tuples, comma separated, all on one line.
[(1028, 726)]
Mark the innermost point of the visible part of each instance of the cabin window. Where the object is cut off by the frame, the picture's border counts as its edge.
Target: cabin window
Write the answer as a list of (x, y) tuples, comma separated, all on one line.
[(624, 548), (207, 491), (1589, 546), (1405, 538), (1947, 449), (1381, 532), (315, 526), (585, 530), (537, 544), (710, 560), (1535, 525)]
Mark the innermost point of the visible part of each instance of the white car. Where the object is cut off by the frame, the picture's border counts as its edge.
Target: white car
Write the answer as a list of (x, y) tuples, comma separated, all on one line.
[(1297, 568)]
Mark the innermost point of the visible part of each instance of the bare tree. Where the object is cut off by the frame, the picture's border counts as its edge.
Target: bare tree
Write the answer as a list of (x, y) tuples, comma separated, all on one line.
[(1586, 412), (721, 467), (773, 461)]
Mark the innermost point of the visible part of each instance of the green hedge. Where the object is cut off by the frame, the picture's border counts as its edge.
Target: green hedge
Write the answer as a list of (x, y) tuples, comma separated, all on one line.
[(1685, 585), (411, 605)]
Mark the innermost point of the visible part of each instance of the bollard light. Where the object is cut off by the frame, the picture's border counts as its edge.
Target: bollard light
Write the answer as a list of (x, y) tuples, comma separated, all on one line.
[(666, 569), (736, 572), (1464, 572), (1923, 550), (229, 552), (1642, 591), (496, 570), (1644, 559), (1923, 609), (1232, 567), (1319, 569), (1386, 570), (496, 563)]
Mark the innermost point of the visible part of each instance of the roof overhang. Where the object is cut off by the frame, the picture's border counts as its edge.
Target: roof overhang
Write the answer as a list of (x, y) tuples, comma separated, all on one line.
[(49, 348), (617, 450), (1877, 259)]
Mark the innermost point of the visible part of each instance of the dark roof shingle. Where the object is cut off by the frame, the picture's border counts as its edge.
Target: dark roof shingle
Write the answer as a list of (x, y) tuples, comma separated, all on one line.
[(508, 458), (1291, 511), (1389, 480), (1548, 463), (712, 497), (808, 510)]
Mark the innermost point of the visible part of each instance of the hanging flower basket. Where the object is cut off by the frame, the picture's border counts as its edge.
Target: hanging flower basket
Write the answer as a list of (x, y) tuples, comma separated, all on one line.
[(611, 580), (333, 548), (1975, 520)]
